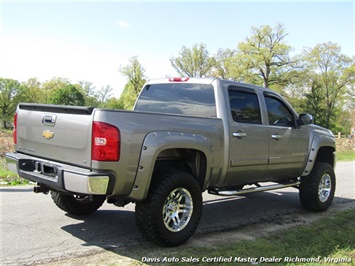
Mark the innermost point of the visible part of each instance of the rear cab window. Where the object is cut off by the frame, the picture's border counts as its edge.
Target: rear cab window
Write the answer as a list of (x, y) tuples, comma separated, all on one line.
[(178, 98), (244, 104)]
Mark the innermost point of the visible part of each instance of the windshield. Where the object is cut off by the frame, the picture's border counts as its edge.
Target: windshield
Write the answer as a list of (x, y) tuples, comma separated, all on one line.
[(178, 98)]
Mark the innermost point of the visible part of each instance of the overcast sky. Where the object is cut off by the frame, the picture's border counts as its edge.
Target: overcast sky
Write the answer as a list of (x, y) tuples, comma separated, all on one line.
[(89, 41)]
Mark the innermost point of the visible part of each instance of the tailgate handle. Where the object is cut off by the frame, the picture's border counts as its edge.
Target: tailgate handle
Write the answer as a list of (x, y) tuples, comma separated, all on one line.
[(49, 120)]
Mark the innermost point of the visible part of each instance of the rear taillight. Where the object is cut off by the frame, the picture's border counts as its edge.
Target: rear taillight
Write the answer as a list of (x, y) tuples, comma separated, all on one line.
[(15, 128), (105, 145)]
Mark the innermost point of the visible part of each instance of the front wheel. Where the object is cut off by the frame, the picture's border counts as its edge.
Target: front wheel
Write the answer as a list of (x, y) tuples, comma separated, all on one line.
[(77, 204), (317, 190), (172, 210)]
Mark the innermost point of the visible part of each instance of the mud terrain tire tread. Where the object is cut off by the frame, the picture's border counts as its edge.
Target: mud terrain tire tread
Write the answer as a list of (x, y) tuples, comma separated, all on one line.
[(149, 213), (76, 206), (309, 188)]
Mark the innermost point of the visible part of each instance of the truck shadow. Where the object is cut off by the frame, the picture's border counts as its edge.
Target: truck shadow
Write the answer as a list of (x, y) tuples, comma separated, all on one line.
[(115, 229)]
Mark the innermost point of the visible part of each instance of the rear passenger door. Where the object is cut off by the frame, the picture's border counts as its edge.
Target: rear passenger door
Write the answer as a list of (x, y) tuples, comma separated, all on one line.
[(248, 138)]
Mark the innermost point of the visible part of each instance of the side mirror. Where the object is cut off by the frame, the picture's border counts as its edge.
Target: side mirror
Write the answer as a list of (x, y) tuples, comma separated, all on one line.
[(305, 119)]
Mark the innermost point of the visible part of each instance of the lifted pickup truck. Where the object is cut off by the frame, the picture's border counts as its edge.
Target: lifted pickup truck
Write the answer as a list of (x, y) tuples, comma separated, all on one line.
[(184, 136)]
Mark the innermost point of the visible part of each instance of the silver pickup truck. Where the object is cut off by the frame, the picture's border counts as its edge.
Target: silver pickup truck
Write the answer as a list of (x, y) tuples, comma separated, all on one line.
[(184, 136)]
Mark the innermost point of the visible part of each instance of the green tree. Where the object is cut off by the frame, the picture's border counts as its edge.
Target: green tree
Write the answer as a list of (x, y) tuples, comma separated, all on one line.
[(32, 91), (89, 92), (114, 103), (265, 56), (10, 96), (134, 72), (69, 95), (128, 97), (226, 65), (104, 95), (49, 87), (314, 102), (193, 62), (335, 76)]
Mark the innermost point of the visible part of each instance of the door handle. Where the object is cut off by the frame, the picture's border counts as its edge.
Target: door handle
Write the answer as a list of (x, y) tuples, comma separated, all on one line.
[(239, 135), (276, 136)]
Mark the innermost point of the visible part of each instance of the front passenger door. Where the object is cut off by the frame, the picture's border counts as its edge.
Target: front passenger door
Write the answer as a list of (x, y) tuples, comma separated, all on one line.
[(288, 144)]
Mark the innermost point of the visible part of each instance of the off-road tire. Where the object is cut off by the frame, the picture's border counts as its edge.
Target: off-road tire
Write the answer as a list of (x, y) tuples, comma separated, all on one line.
[(176, 197), (77, 205), (318, 188)]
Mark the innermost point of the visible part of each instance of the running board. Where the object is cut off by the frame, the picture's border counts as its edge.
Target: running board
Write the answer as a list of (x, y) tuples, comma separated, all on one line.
[(252, 190)]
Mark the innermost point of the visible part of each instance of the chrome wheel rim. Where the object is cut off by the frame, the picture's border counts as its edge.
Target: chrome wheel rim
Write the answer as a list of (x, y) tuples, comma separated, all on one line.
[(177, 210), (324, 188)]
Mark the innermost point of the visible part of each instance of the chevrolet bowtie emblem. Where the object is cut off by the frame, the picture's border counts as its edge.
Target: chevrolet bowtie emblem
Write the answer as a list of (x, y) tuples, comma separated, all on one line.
[(47, 134)]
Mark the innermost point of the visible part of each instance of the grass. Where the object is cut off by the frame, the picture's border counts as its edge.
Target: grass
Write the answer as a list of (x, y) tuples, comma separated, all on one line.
[(9, 178), (346, 156), (328, 241), (6, 145)]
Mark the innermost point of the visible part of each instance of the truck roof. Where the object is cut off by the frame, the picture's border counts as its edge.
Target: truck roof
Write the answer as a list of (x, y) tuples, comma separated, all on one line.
[(207, 80)]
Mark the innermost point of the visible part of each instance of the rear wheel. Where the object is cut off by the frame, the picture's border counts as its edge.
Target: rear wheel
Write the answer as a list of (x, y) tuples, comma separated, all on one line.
[(77, 204), (317, 190), (172, 211)]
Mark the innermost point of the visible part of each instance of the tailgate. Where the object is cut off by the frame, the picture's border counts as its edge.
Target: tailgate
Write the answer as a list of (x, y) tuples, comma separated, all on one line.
[(57, 133)]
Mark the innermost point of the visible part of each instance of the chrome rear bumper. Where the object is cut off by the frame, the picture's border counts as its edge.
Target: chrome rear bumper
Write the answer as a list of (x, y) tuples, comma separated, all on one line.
[(60, 176)]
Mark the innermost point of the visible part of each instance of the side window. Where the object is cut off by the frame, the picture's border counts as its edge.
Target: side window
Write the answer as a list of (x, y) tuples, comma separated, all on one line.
[(278, 113), (245, 107)]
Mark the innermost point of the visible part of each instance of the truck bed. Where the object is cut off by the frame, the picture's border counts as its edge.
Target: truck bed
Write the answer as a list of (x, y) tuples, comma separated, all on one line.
[(63, 135)]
